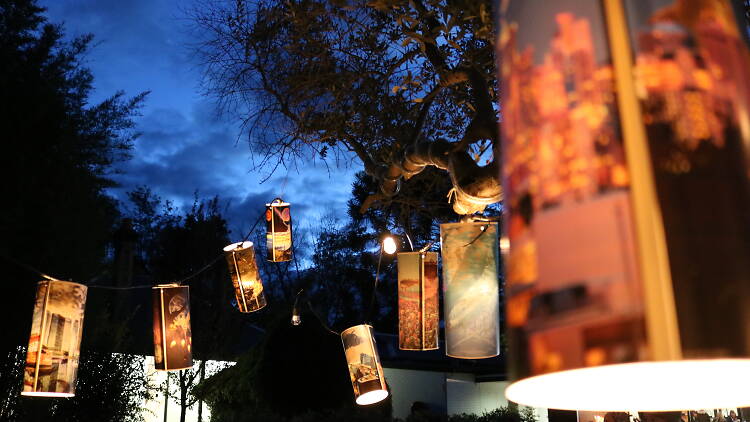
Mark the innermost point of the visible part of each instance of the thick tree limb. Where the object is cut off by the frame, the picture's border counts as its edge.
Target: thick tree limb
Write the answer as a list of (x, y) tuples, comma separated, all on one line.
[(474, 187)]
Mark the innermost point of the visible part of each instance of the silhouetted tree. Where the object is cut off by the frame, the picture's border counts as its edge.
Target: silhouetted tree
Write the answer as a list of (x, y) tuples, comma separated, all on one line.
[(403, 85), (57, 159)]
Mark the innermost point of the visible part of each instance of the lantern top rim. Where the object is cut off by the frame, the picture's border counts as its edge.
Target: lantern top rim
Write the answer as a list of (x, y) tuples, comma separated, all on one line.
[(238, 246), (167, 286), (415, 253), (356, 326), (54, 280), (280, 203), (469, 223)]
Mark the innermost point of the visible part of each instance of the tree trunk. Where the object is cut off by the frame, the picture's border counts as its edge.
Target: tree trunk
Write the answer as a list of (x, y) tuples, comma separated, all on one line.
[(166, 396), (200, 402), (183, 396)]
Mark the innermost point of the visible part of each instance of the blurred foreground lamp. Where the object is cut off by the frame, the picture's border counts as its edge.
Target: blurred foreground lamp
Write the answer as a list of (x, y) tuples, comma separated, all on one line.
[(417, 301), (625, 139), (248, 287), (470, 289), (362, 358), (55, 341), (278, 231), (173, 342)]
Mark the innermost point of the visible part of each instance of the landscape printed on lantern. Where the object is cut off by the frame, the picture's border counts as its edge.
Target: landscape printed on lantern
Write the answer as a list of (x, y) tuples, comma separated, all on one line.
[(470, 287), (248, 288), (570, 225), (362, 359), (54, 344), (417, 301)]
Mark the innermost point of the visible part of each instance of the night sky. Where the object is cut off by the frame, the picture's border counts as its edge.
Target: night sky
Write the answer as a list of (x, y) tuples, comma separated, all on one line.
[(143, 45)]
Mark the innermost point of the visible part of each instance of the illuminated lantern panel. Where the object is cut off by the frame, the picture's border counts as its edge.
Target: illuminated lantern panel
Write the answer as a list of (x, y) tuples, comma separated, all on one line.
[(362, 358), (625, 134), (278, 231), (417, 301), (248, 287), (173, 343), (470, 289), (55, 341)]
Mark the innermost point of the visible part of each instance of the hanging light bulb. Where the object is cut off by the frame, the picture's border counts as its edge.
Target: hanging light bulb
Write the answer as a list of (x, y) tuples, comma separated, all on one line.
[(296, 318), (470, 284), (248, 287), (55, 340), (417, 301), (278, 231), (173, 339), (389, 245), (365, 371), (626, 198)]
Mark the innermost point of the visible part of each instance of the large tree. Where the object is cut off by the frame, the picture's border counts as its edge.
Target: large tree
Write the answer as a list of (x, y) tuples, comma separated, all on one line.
[(403, 85)]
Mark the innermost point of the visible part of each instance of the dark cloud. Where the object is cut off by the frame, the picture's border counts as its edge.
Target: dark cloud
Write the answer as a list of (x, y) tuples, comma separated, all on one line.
[(185, 147)]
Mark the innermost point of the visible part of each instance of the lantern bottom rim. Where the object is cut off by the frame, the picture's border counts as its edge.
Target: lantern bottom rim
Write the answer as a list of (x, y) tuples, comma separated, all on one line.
[(372, 397), (418, 349), (173, 369), (46, 394), (249, 311), (650, 386), (471, 357)]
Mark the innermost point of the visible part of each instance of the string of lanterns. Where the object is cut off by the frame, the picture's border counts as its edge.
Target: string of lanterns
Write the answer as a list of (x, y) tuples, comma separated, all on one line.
[(470, 252)]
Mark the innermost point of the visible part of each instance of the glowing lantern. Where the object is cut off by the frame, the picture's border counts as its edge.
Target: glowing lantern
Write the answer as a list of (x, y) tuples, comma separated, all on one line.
[(417, 301), (470, 288), (173, 342), (55, 341), (625, 142), (278, 231), (248, 287), (365, 371)]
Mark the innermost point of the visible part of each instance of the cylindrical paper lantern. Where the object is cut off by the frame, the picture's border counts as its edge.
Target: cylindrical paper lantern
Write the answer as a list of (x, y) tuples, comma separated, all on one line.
[(470, 289), (362, 358), (278, 231), (55, 341), (626, 138), (248, 287), (173, 341), (417, 301)]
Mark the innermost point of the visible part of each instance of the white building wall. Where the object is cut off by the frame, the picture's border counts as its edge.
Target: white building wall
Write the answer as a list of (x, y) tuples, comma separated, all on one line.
[(153, 409), (408, 386), (465, 395)]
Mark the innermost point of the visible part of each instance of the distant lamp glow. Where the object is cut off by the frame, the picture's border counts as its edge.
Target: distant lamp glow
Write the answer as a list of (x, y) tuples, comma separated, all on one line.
[(417, 301), (365, 371), (389, 245), (470, 285), (248, 287), (278, 231), (173, 340), (296, 318), (55, 340)]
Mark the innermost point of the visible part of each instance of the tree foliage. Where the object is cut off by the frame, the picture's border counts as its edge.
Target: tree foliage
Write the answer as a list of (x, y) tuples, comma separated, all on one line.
[(400, 84), (58, 156)]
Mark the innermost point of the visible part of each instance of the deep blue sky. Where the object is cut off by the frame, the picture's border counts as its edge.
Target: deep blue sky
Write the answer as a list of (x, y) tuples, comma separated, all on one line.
[(143, 45)]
